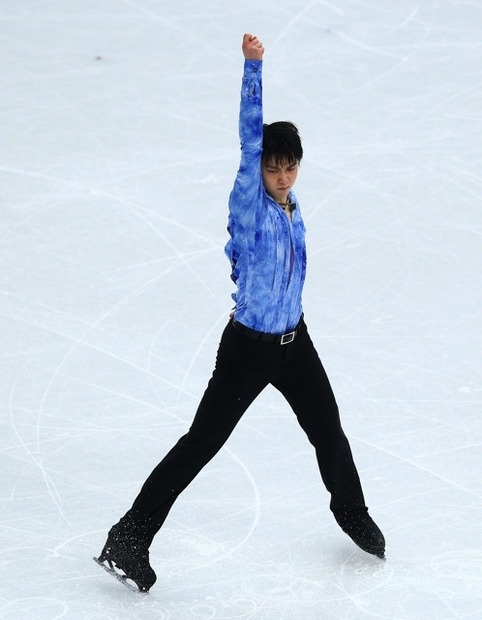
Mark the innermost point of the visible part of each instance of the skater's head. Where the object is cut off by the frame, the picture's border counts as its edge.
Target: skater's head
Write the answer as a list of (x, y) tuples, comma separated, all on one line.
[(282, 153), (281, 143)]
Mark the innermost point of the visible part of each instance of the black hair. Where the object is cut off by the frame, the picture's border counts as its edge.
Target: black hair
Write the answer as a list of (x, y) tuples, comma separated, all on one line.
[(281, 142)]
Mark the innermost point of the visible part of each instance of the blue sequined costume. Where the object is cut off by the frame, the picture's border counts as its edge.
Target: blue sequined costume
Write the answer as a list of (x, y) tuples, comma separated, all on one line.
[(267, 251)]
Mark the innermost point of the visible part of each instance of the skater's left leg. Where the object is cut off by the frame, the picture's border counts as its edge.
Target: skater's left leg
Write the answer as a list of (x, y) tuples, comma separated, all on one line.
[(304, 383)]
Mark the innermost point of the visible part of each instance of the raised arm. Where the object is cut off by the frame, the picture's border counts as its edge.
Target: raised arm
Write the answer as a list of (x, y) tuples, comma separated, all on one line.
[(245, 200), (251, 110)]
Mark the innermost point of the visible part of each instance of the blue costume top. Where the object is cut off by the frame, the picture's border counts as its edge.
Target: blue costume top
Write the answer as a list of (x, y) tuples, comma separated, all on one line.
[(267, 251)]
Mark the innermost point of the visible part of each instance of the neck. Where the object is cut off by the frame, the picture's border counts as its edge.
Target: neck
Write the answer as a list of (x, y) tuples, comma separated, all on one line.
[(287, 205)]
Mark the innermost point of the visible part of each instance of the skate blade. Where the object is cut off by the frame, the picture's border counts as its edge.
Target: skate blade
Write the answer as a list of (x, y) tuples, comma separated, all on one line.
[(120, 577)]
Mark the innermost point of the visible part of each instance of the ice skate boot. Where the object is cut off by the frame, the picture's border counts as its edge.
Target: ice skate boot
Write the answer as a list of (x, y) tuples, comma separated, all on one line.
[(360, 527), (126, 556)]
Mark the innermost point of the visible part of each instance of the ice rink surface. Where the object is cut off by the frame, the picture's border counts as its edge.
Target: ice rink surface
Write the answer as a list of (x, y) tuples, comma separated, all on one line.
[(118, 151)]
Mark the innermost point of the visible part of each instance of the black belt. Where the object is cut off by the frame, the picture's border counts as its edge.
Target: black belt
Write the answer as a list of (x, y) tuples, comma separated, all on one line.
[(264, 337)]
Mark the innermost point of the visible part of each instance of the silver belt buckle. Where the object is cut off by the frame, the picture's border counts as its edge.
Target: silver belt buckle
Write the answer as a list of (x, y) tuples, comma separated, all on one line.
[(287, 338)]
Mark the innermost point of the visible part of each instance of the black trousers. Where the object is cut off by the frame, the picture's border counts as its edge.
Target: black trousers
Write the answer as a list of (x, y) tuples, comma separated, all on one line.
[(244, 367)]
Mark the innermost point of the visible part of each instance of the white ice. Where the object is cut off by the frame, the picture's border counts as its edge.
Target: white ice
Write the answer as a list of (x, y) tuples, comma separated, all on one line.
[(118, 150)]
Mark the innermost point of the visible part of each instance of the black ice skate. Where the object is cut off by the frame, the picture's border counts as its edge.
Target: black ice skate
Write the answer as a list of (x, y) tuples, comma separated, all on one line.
[(360, 527), (126, 557)]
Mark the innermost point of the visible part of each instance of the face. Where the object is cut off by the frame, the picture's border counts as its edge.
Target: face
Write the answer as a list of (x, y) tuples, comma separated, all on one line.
[(278, 179)]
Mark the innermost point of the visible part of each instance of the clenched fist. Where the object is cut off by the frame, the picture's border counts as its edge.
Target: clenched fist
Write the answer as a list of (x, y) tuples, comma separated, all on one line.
[(252, 47)]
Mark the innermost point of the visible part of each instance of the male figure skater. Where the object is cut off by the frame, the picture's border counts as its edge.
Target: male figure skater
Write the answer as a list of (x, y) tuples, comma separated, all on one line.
[(265, 342)]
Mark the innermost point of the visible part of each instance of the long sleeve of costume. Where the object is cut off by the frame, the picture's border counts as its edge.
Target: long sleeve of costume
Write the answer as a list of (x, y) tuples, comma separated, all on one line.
[(246, 197)]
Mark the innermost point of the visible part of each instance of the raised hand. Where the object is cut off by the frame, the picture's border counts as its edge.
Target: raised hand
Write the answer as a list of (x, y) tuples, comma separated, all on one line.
[(252, 47)]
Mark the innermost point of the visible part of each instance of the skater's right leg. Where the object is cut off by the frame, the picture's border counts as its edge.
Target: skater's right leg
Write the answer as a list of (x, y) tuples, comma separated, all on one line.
[(220, 409), (236, 381), (243, 368)]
